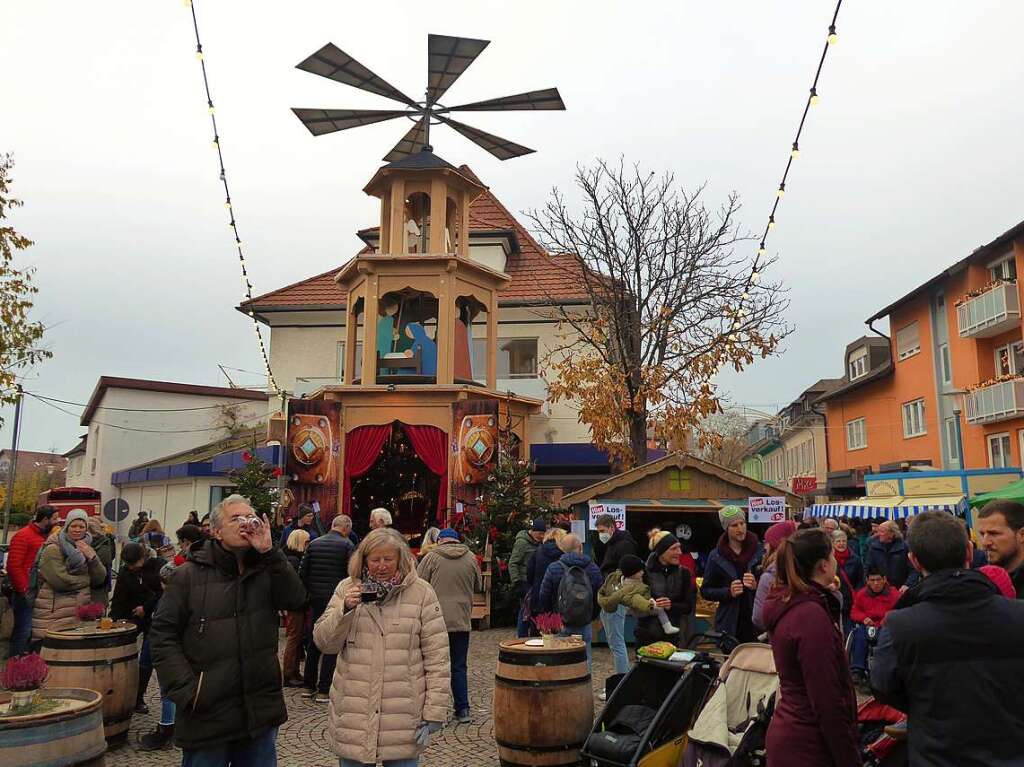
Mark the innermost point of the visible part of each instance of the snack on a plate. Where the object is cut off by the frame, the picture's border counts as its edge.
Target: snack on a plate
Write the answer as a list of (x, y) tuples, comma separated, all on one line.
[(659, 650)]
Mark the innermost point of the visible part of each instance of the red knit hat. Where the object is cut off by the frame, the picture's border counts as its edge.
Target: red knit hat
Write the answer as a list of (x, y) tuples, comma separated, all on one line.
[(779, 532), (1001, 578)]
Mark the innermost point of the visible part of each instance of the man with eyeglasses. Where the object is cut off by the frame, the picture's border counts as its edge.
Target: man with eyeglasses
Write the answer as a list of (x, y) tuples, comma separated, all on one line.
[(215, 639)]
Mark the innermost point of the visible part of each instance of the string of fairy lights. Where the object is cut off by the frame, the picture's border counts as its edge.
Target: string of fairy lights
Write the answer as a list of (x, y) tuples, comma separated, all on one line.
[(812, 99), (233, 221)]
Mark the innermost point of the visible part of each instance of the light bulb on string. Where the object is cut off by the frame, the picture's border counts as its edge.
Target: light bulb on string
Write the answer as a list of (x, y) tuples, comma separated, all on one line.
[(795, 152), (761, 250), (832, 36), (771, 222), (216, 142), (814, 96), (782, 191), (199, 52), (745, 296), (755, 277), (209, 107)]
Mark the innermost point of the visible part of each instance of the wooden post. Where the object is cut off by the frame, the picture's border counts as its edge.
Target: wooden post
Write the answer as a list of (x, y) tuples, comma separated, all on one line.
[(492, 342), (349, 371), (438, 214), (384, 246), (369, 377), (445, 325), (463, 224), (397, 243)]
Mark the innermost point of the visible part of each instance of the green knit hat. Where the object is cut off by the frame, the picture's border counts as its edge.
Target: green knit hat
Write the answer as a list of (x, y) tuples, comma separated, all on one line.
[(729, 514)]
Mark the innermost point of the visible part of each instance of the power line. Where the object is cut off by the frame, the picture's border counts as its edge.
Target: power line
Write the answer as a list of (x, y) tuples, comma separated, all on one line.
[(812, 98), (130, 409), (233, 223), (144, 431)]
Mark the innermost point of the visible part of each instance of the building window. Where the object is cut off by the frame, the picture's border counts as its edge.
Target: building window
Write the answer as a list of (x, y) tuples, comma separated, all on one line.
[(1005, 269), (341, 359), (999, 451), (858, 363), (677, 480), (946, 363), (1010, 359), (908, 341), (856, 434), (913, 419), (951, 447), (517, 357)]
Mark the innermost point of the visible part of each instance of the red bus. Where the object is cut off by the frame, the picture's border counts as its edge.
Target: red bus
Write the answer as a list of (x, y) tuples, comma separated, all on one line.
[(66, 499)]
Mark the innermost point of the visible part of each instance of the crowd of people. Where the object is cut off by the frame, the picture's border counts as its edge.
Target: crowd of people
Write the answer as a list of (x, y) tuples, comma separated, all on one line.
[(923, 614)]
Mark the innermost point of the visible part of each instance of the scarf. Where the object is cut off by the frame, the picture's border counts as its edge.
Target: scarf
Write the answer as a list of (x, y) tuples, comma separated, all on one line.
[(742, 560), (384, 588), (74, 558), (842, 557)]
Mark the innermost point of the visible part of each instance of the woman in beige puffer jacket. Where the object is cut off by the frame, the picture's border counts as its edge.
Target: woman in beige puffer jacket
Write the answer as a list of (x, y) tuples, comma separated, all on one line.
[(390, 687)]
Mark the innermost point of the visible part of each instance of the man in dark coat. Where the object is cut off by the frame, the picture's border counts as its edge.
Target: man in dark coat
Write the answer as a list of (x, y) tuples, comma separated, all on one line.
[(1000, 528), (887, 553), (304, 520), (215, 639), (951, 655), (539, 563), (324, 566), (525, 545), (729, 575), (617, 544)]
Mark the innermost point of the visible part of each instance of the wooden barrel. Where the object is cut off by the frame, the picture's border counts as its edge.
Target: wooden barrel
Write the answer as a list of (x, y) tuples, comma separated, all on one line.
[(543, 704), (102, 660), (71, 734)]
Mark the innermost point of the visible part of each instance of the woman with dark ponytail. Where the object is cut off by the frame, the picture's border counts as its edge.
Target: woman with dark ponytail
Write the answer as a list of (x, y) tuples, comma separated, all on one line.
[(815, 720)]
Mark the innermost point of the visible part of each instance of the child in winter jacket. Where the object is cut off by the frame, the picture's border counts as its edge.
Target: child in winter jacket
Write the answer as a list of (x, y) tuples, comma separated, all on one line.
[(626, 586)]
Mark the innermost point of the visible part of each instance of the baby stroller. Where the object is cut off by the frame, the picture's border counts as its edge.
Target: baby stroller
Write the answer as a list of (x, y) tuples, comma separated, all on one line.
[(877, 748), (645, 720), (731, 729)]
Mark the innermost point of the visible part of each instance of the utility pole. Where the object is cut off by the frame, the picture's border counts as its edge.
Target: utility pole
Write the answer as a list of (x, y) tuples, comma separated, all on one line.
[(14, 462)]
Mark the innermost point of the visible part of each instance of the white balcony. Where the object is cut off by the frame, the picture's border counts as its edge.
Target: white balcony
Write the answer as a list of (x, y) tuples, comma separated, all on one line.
[(998, 402), (993, 312)]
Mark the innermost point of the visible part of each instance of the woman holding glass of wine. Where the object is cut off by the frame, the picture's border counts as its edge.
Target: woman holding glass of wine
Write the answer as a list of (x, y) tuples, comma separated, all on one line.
[(390, 688)]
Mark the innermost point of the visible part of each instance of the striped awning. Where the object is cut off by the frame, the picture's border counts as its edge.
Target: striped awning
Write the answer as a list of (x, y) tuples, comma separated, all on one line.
[(890, 507)]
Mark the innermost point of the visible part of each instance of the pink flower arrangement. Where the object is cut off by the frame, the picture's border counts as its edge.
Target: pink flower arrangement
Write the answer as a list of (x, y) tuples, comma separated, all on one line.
[(25, 672), (91, 612), (548, 623), (246, 456)]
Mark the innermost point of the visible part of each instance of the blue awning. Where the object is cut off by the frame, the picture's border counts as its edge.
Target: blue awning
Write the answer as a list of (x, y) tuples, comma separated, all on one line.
[(576, 454)]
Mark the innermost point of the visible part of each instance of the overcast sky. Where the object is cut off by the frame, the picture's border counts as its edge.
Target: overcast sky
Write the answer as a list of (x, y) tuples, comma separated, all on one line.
[(911, 159)]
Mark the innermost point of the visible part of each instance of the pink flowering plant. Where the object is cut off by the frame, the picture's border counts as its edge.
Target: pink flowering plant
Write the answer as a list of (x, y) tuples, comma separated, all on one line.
[(548, 623), (25, 672), (91, 612)]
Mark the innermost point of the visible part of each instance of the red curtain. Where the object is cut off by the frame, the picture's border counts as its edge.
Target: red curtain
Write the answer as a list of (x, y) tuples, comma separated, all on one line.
[(362, 449), (431, 445)]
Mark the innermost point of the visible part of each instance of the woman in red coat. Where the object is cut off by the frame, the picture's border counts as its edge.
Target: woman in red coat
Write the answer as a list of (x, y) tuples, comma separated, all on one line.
[(815, 721)]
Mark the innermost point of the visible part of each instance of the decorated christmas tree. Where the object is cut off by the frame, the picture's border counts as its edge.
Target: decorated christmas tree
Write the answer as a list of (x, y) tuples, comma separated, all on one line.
[(255, 480)]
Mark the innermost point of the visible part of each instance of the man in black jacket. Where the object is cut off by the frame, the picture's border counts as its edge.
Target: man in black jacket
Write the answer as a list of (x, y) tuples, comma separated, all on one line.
[(323, 567), (617, 544), (951, 655), (1001, 535), (215, 640)]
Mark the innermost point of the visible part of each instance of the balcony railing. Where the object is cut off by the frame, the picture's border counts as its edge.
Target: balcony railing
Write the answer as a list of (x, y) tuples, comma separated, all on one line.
[(993, 312), (997, 402)]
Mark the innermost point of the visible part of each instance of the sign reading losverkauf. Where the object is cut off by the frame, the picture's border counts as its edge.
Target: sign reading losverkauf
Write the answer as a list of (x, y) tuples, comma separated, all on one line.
[(617, 510), (766, 509)]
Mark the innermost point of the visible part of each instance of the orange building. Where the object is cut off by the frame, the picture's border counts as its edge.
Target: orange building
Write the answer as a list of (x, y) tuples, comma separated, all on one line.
[(950, 372)]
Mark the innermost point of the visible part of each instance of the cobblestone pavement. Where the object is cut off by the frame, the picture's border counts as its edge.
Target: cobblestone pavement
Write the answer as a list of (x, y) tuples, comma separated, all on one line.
[(302, 740)]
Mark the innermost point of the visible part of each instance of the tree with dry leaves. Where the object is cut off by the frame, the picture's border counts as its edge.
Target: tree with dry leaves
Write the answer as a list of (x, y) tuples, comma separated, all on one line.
[(724, 439), (672, 301), (19, 336)]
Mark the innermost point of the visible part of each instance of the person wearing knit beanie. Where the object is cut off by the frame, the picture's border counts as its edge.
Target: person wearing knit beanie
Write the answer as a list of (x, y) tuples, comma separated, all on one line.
[(665, 541), (779, 532), (630, 565), (729, 514)]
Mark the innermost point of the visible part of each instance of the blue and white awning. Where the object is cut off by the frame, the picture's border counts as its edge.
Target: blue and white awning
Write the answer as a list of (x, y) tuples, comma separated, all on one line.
[(890, 507)]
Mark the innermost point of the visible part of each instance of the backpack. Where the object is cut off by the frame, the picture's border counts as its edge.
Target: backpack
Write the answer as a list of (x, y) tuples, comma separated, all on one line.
[(33, 579), (575, 597)]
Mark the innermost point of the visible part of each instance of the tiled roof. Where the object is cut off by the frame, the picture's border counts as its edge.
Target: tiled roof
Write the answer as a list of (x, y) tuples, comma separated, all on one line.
[(536, 276)]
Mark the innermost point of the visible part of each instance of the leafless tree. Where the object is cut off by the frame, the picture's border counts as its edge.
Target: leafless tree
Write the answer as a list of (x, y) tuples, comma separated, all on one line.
[(672, 300)]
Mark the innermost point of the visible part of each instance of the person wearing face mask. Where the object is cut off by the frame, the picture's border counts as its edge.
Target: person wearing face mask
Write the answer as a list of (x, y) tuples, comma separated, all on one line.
[(67, 571), (617, 544), (390, 688), (25, 546)]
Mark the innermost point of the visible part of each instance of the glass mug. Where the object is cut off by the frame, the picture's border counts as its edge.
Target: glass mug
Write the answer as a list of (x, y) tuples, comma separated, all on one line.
[(250, 524), (368, 593)]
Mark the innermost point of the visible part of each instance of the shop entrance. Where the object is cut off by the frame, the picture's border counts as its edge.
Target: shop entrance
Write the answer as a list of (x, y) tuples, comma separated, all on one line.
[(400, 481)]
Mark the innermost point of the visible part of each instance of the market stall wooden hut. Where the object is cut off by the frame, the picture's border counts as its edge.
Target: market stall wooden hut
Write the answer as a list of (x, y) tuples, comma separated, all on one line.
[(679, 493)]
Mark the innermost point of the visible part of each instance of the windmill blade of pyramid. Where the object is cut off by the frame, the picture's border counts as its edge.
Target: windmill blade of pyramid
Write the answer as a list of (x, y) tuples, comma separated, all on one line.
[(501, 148), (321, 121), (447, 58), (549, 98), (334, 64), (410, 143)]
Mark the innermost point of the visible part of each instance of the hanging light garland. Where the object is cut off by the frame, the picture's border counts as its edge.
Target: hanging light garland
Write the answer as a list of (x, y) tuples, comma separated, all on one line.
[(812, 99), (232, 221)]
